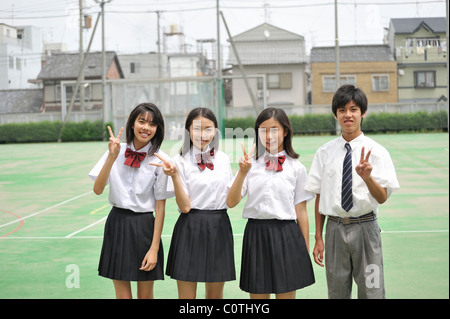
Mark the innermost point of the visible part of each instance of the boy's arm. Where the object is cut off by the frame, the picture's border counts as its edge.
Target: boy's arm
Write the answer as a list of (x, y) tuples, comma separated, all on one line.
[(319, 245)]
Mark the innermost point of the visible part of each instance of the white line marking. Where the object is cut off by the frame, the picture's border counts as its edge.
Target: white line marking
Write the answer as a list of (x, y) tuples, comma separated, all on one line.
[(84, 228), (46, 209)]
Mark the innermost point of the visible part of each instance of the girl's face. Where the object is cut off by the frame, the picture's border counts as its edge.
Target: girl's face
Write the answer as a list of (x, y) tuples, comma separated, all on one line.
[(202, 131), (144, 130), (271, 134)]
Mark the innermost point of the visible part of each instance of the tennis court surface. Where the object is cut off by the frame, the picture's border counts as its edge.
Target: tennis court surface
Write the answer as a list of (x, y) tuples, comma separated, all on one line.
[(51, 223)]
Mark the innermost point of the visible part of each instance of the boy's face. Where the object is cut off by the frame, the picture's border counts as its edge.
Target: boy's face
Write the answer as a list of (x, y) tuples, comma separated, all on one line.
[(349, 118)]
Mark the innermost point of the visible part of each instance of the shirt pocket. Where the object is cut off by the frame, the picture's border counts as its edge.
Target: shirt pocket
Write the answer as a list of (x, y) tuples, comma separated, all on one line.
[(145, 180)]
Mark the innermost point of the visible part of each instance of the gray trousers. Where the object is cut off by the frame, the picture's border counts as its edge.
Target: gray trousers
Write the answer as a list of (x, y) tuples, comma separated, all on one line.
[(354, 251)]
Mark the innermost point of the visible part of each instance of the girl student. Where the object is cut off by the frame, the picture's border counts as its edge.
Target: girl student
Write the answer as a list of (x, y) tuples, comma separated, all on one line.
[(132, 248), (275, 252), (201, 249)]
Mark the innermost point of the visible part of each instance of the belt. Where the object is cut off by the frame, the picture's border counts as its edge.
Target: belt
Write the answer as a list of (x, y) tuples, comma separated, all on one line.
[(354, 220)]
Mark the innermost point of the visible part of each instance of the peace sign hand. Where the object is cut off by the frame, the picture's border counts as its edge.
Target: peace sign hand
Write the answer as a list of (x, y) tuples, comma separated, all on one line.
[(245, 162), (169, 168), (114, 142), (364, 168)]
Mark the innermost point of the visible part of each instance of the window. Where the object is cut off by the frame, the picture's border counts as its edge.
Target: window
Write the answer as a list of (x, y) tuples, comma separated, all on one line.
[(380, 82), (134, 67), (276, 81), (18, 64), (425, 79), (11, 62), (329, 82)]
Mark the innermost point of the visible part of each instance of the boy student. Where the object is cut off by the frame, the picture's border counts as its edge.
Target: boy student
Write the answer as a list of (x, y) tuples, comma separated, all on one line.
[(351, 175)]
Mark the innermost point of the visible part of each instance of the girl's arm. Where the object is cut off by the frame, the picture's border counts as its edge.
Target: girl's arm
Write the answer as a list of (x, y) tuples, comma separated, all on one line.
[(151, 258), (114, 150), (245, 163), (182, 199), (170, 169), (234, 194), (302, 221)]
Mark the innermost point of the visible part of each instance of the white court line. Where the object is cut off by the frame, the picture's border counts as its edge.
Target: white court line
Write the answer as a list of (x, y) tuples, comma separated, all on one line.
[(236, 235), (46, 209), (84, 228)]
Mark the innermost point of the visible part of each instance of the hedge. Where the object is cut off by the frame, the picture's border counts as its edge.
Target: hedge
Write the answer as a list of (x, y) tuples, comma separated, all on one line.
[(48, 132), (381, 122), (307, 124)]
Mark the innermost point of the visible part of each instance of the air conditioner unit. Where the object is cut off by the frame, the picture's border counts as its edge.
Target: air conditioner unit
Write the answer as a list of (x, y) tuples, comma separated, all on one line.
[(260, 94)]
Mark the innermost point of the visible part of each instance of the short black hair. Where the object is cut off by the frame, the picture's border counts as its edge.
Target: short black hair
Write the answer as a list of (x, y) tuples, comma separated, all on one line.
[(347, 93)]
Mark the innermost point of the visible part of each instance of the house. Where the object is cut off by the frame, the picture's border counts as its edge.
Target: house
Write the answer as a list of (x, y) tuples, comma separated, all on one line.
[(65, 67), (20, 53), (143, 65), (369, 67), (420, 49), (280, 56)]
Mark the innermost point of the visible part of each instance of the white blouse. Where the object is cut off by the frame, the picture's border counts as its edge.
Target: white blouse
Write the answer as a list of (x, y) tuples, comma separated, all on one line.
[(132, 188), (325, 176), (273, 195), (206, 189)]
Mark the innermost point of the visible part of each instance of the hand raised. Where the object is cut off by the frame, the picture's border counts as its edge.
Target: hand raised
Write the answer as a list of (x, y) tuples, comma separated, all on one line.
[(169, 168), (245, 162), (114, 142), (364, 168)]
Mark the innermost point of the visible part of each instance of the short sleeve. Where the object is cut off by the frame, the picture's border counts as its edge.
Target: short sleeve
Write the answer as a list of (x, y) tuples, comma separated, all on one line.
[(301, 194), (95, 171)]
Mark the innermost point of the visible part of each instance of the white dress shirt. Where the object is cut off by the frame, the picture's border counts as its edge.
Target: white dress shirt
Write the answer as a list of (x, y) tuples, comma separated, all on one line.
[(206, 189), (273, 195), (325, 176), (133, 188)]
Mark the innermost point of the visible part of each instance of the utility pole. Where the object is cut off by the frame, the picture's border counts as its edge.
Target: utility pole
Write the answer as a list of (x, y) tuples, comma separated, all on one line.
[(158, 15), (336, 52), (106, 111), (80, 4)]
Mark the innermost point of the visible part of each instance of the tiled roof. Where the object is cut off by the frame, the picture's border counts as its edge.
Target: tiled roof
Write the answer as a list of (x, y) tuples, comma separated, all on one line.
[(352, 53), (21, 101), (60, 66), (411, 25)]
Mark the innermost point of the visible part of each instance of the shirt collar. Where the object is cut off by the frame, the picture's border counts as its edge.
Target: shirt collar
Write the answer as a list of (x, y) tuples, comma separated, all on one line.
[(145, 149), (283, 152), (353, 143)]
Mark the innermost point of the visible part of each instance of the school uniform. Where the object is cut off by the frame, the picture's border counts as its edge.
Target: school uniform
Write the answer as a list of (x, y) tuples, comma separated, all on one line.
[(201, 249), (352, 239), (275, 258), (128, 234)]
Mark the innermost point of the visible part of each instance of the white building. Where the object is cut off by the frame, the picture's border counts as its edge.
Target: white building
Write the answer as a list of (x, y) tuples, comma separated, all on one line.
[(20, 56), (279, 55)]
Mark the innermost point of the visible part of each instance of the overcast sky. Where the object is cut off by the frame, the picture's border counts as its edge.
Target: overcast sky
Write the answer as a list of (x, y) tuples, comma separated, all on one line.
[(131, 25)]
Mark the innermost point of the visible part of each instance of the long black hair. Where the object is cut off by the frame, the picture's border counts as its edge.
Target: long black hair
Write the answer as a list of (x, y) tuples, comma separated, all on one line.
[(281, 116), (148, 110), (193, 114)]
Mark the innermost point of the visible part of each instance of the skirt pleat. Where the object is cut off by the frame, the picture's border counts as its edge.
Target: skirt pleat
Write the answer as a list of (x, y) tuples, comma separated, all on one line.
[(202, 248), (126, 241), (274, 258)]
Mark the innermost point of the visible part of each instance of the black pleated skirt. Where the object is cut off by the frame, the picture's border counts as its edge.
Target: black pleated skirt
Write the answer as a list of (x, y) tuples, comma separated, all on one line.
[(202, 248), (274, 257), (126, 241)]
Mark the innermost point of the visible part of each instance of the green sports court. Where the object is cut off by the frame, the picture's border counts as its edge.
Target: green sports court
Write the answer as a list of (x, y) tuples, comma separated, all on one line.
[(51, 223)]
